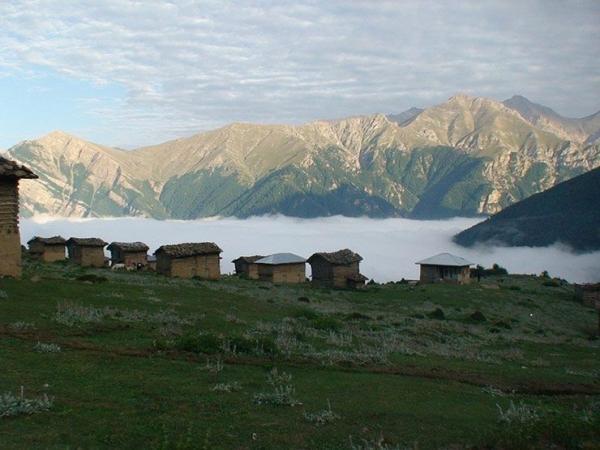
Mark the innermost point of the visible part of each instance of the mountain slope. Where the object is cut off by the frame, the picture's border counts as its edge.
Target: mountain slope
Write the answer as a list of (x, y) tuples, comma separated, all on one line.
[(584, 130), (467, 156), (567, 213)]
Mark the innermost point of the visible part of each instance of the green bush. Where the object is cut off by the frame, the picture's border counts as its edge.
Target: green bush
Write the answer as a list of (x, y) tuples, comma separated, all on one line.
[(326, 323), (199, 343), (437, 314), (477, 316), (92, 278), (267, 345), (305, 313), (568, 430), (356, 316)]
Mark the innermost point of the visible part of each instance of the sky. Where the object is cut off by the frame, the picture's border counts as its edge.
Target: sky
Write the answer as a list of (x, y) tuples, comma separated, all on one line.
[(131, 73), (390, 247)]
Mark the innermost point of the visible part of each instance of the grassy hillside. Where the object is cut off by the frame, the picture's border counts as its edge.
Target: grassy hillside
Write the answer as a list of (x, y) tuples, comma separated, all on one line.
[(566, 213), (139, 358)]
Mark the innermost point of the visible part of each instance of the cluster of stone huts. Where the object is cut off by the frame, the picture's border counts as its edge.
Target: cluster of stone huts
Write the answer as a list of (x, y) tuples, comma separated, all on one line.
[(202, 259), (338, 269)]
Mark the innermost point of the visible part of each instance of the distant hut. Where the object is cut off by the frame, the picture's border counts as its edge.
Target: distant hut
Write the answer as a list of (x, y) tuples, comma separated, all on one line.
[(131, 254), (151, 263), (10, 239), (48, 249), (445, 268), (246, 266), (87, 252), (189, 260), (282, 268), (589, 294), (337, 269)]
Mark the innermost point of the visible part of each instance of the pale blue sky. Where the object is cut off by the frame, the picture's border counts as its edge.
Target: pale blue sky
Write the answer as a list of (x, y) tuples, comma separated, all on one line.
[(132, 73)]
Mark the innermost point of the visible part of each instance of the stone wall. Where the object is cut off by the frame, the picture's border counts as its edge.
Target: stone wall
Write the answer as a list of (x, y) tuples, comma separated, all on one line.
[(282, 273), (10, 240), (445, 274), (206, 267), (87, 256)]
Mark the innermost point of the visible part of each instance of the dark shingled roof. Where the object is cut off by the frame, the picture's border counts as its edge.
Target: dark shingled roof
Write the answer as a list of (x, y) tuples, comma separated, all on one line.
[(189, 249), (10, 169), (86, 242), (54, 240), (341, 257), (128, 246), (248, 259)]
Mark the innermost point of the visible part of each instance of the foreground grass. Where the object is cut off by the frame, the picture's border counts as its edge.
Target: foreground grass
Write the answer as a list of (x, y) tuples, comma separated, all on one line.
[(135, 359)]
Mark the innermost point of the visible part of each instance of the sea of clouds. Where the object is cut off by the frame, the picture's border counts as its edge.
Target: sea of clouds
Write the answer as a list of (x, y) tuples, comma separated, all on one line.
[(390, 247)]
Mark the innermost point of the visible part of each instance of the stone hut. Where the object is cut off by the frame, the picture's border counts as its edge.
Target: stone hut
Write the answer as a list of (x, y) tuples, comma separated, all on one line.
[(132, 254), (10, 238), (337, 269), (445, 268), (189, 260), (88, 252), (282, 268), (589, 294), (246, 266), (48, 249), (151, 263)]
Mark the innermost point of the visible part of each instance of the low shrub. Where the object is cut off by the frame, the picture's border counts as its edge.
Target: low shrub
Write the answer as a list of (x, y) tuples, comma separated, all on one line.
[(305, 313), (326, 323), (437, 313), (227, 387), (322, 417), (304, 299), (477, 316), (356, 316), (283, 391), (280, 396), (92, 278), (15, 405), (41, 347), (21, 326), (524, 426), (199, 343), (502, 324)]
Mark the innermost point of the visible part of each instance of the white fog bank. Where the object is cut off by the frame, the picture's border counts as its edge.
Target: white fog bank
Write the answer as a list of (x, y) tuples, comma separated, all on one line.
[(389, 247)]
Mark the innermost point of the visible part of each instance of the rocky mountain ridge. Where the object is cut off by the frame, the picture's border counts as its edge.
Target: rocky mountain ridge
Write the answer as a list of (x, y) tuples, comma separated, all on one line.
[(467, 156)]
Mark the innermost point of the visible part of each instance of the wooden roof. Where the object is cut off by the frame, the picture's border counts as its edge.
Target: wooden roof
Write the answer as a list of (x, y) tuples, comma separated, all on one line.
[(248, 259), (341, 257), (13, 170), (189, 249), (86, 242), (54, 240), (128, 246)]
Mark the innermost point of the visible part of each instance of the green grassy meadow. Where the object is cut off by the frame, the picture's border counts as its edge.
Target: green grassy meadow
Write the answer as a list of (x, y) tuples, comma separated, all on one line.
[(136, 360)]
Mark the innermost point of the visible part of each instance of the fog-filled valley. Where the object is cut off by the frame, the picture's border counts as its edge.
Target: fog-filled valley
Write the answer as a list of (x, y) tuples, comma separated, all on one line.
[(390, 247)]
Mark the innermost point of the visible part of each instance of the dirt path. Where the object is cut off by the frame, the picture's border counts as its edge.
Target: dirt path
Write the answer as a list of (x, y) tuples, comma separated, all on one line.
[(526, 387)]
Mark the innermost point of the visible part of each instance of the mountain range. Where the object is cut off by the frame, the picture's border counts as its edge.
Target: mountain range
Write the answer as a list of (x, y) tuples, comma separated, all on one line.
[(467, 156), (567, 213)]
